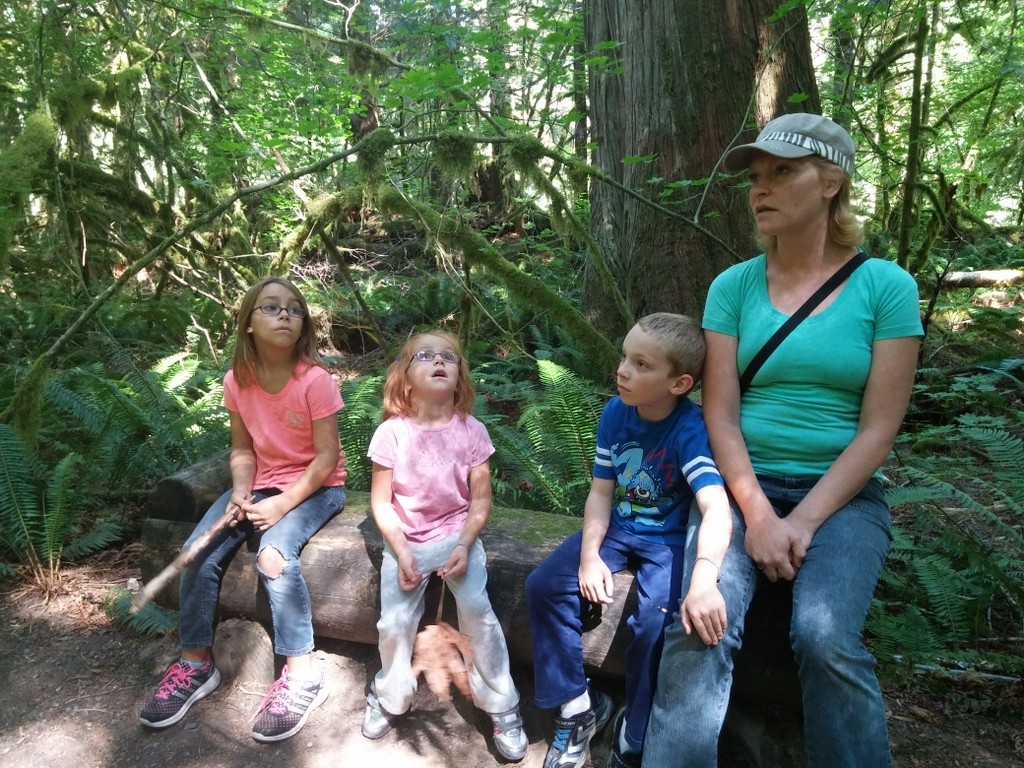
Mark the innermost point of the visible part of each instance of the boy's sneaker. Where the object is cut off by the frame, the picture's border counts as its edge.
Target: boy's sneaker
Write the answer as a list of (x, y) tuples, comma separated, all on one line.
[(617, 758), (376, 722), (181, 687), (287, 706), (509, 738), (573, 734)]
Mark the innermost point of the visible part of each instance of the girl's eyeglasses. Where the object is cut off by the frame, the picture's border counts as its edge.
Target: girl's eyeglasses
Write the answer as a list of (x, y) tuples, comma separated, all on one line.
[(273, 310), (428, 356)]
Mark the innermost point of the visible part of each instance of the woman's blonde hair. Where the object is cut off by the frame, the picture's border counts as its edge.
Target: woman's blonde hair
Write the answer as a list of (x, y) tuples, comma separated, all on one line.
[(843, 227), (396, 389), (244, 361)]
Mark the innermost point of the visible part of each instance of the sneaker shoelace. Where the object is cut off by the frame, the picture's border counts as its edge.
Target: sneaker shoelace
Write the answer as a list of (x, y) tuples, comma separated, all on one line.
[(178, 676), (278, 699), (561, 737)]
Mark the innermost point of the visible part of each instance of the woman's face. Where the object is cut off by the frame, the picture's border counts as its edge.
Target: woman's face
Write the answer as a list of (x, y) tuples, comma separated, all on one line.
[(789, 195)]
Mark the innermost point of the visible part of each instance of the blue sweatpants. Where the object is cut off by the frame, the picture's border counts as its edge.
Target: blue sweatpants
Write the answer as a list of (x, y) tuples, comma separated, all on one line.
[(556, 610)]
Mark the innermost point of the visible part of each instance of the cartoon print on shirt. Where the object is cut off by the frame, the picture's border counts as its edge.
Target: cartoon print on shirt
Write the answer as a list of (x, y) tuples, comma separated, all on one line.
[(639, 486)]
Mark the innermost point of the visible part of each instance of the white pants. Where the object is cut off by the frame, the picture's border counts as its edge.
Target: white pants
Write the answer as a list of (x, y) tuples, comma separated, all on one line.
[(400, 612)]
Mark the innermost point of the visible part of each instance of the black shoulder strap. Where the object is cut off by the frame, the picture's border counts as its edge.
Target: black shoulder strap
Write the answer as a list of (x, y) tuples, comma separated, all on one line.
[(798, 317)]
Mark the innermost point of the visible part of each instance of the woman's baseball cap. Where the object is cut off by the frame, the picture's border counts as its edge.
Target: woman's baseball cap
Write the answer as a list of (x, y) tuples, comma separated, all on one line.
[(797, 135)]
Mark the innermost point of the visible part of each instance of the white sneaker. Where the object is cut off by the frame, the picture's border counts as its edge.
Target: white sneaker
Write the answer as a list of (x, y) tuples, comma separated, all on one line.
[(376, 722), (509, 738)]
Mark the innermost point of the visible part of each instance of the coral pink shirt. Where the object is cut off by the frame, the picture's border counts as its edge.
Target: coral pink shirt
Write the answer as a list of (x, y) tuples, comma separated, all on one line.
[(430, 472), (281, 425)]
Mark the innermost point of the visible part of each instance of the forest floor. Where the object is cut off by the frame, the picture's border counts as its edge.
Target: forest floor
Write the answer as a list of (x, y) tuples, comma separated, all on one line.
[(73, 684)]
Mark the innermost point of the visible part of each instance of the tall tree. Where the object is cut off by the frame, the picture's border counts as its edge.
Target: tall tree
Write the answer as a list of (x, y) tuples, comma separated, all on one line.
[(672, 83)]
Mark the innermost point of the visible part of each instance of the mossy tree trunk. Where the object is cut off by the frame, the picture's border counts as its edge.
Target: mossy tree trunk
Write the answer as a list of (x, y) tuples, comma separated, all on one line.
[(685, 76)]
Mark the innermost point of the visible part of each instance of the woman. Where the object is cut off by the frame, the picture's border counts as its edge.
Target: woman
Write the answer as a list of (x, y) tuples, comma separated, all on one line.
[(800, 450)]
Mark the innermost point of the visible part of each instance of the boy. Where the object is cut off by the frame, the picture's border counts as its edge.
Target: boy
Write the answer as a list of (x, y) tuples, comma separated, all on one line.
[(652, 460)]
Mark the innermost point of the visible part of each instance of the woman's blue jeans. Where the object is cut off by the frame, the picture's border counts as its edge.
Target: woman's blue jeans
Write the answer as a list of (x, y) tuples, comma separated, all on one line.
[(844, 715), (290, 607)]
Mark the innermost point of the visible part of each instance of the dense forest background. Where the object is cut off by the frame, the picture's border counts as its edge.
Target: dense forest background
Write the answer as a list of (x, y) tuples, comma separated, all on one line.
[(531, 174)]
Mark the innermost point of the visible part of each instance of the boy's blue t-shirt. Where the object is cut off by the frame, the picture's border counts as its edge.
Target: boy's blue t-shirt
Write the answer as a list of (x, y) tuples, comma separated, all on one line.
[(657, 467)]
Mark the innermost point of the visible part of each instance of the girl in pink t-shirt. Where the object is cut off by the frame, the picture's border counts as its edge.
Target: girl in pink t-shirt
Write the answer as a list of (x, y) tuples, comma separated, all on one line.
[(431, 497), (288, 479)]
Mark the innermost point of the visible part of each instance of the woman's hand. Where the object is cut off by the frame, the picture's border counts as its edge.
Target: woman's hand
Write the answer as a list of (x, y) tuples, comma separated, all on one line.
[(596, 581), (458, 563), (771, 544)]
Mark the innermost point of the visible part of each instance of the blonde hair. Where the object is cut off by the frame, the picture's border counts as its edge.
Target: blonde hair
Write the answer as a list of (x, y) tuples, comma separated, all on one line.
[(843, 227), (397, 401), (244, 361), (681, 340)]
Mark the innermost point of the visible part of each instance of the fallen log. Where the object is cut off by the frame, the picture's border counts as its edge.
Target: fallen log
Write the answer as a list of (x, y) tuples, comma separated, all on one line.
[(341, 566), (983, 278)]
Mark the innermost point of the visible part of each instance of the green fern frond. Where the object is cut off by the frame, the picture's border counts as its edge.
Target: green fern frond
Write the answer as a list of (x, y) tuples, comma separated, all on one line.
[(906, 633), (906, 495), (1005, 453), (21, 518), (552, 447), (63, 508), (574, 408), (357, 422), (102, 535), (941, 583), (952, 496), (75, 410), (151, 621), (517, 455)]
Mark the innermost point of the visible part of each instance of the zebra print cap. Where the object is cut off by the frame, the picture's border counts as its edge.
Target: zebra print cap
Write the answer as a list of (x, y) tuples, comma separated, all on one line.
[(797, 135)]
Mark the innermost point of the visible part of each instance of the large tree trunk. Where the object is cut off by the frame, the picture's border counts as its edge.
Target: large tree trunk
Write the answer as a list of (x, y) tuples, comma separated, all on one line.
[(687, 78)]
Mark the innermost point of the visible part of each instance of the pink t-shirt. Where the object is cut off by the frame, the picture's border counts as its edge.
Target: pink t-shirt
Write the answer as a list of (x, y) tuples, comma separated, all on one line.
[(430, 471), (281, 425)]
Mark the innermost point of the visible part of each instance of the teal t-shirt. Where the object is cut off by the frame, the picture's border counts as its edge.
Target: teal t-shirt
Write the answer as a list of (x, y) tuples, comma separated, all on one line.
[(802, 408)]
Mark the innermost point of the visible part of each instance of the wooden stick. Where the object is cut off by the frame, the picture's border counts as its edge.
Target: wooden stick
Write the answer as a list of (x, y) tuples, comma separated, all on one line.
[(158, 582)]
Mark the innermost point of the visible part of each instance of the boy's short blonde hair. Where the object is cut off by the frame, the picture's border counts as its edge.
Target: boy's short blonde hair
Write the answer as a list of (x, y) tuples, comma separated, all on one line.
[(681, 339)]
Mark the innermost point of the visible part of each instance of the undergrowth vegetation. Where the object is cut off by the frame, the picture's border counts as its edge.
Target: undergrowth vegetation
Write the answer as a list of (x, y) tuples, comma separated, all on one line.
[(142, 398)]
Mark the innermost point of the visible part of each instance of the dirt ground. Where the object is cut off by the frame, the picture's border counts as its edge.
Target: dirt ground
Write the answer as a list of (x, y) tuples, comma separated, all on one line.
[(73, 685)]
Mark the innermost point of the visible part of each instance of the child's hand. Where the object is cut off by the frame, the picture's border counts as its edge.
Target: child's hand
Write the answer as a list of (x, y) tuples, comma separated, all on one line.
[(703, 610), (266, 512), (458, 563), (237, 505), (596, 581), (408, 571)]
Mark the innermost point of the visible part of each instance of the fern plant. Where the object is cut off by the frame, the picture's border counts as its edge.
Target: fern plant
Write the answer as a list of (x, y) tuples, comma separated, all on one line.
[(41, 512), (547, 458), (139, 425), (956, 566), (356, 423)]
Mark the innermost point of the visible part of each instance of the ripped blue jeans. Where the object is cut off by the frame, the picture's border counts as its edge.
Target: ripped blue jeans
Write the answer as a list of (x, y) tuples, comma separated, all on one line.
[(290, 607)]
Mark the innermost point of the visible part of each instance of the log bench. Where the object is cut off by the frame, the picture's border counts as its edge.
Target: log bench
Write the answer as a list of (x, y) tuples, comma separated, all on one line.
[(341, 565)]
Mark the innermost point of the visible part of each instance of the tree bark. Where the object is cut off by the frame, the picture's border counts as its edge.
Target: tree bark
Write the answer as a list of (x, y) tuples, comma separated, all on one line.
[(687, 78)]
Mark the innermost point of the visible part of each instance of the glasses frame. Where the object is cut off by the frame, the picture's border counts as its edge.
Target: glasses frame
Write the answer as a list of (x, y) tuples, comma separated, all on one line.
[(428, 356), (275, 310)]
